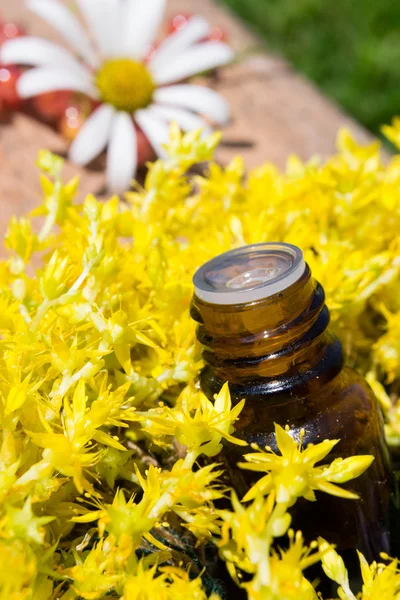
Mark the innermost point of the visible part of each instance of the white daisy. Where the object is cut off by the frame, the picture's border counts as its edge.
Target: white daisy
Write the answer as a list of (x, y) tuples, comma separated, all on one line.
[(113, 70)]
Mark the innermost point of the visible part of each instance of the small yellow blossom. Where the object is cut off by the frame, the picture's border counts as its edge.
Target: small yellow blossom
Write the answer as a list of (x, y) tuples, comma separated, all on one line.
[(23, 524), (246, 541), (293, 473), (168, 584), (196, 422), (387, 347), (96, 573), (334, 568), (287, 581), (392, 132), (380, 580)]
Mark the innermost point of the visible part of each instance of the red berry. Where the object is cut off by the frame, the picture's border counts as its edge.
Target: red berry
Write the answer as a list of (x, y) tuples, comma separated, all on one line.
[(71, 122), (74, 117), (10, 31), (178, 22), (51, 105), (93, 104), (145, 149), (9, 97), (151, 52), (217, 34)]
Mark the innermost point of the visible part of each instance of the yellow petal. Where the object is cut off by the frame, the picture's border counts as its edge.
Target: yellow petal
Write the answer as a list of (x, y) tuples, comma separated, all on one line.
[(335, 490), (79, 400), (88, 517), (107, 440), (313, 454), (141, 338), (342, 470), (223, 402), (332, 563), (285, 442), (263, 487), (365, 569)]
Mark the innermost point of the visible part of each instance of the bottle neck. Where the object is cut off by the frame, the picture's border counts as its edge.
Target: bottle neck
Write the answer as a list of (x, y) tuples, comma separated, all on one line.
[(280, 342)]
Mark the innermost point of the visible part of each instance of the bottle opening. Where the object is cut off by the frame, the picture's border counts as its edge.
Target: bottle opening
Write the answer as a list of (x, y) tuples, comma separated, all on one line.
[(249, 273)]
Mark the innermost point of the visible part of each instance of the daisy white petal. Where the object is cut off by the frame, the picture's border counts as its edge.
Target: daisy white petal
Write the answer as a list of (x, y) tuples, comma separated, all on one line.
[(196, 29), (198, 98), (65, 22), (143, 19), (185, 119), (195, 59), (122, 153), (50, 79), (103, 18), (155, 129), (93, 136), (38, 52)]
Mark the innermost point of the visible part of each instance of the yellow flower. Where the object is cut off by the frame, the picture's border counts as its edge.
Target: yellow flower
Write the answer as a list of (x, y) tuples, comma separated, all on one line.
[(333, 565), (287, 581), (392, 132), (95, 574), (196, 422), (387, 348), (71, 452), (187, 493), (380, 580), (121, 336), (169, 584), (22, 523), (293, 474), (21, 239), (247, 533), (19, 569), (246, 541)]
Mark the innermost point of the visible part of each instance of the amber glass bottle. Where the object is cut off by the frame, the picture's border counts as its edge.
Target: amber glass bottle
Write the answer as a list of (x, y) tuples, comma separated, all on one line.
[(263, 324)]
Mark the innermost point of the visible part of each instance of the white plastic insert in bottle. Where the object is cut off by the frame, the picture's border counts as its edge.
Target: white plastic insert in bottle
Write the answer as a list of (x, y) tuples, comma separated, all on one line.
[(249, 273)]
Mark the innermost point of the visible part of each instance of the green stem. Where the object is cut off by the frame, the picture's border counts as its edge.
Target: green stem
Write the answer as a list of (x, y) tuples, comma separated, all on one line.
[(190, 459), (263, 567), (167, 499), (51, 217), (25, 314), (147, 201), (41, 311), (69, 380), (47, 227), (162, 506)]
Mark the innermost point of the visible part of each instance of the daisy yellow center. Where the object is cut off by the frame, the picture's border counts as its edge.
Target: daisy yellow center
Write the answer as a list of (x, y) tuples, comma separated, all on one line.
[(125, 84)]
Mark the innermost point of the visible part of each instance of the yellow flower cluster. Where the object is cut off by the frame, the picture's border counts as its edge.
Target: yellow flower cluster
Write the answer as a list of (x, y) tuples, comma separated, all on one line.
[(379, 580), (107, 485)]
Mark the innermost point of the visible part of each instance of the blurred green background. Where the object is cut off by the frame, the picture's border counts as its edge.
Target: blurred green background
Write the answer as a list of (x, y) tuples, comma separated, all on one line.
[(350, 48)]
